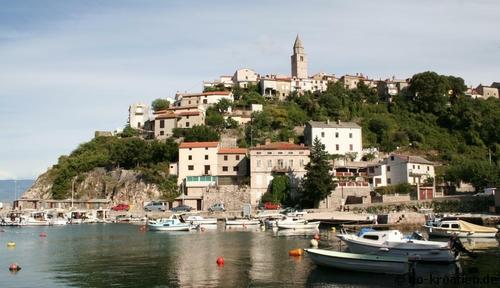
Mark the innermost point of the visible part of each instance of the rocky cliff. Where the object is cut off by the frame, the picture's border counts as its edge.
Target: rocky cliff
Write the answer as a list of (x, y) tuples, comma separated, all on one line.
[(121, 186)]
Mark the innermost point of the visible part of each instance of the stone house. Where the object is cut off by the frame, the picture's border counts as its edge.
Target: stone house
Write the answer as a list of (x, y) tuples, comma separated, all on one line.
[(138, 115), (278, 158), (338, 137), (487, 91), (245, 77), (204, 99)]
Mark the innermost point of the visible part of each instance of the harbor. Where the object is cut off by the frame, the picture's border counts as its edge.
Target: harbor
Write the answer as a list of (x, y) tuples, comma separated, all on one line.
[(67, 255)]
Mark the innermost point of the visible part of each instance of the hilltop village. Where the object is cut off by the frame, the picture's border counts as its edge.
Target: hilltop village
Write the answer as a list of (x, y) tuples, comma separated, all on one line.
[(206, 167), (249, 139)]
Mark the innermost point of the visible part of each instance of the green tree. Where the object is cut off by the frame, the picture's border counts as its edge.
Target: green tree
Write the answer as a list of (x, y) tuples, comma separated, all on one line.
[(429, 92), (318, 182), (160, 104), (215, 119), (201, 133), (129, 132), (279, 190)]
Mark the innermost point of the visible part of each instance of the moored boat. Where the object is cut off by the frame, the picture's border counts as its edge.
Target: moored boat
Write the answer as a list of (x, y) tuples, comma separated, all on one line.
[(35, 218), (393, 243), (460, 228), (200, 220), (242, 222), (360, 262), (174, 223), (57, 217), (13, 218), (294, 223)]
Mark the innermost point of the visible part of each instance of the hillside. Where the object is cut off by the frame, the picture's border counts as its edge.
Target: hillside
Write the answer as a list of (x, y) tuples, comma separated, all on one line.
[(432, 117)]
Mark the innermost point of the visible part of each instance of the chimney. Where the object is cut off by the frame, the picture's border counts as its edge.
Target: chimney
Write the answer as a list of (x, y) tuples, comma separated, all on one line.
[(290, 140), (268, 141)]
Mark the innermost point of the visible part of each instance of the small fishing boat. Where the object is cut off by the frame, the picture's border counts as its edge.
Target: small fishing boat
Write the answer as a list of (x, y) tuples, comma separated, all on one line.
[(393, 243), (174, 223), (296, 224), (35, 218), (242, 222), (398, 265), (460, 228), (13, 218), (57, 217), (197, 220)]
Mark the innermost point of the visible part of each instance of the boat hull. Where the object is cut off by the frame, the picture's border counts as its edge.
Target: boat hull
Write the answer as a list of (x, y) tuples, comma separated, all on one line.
[(242, 222), (169, 228), (439, 255), (440, 232), (360, 263), (298, 226)]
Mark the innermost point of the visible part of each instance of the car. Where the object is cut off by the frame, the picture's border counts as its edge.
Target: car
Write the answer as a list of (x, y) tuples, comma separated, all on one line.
[(271, 206), (156, 206), (181, 208), (217, 207), (121, 207)]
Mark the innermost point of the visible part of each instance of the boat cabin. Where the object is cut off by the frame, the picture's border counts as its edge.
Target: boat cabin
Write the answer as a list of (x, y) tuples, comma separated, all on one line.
[(381, 236)]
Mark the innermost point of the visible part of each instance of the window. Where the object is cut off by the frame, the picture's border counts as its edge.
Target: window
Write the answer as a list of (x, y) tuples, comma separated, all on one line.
[(392, 159), (190, 157), (336, 134), (454, 226), (427, 168), (205, 101), (162, 132), (258, 153), (388, 180), (225, 157), (371, 170), (301, 58), (206, 157), (350, 147), (290, 152), (269, 163), (189, 102), (323, 134), (388, 168), (301, 162), (445, 225), (280, 153), (290, 163), (187, 117), (413, 166), (280, 163), (337, 147), (224, 168), (371, 237), (237, 157), (258, 163), (235, 168), (187, 124), (418, 166), (190, 167), (206, 148), (162, 123), (350, 135)]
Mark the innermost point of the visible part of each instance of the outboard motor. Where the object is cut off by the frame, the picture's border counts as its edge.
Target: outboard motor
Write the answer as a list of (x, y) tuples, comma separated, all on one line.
[(456, 246)]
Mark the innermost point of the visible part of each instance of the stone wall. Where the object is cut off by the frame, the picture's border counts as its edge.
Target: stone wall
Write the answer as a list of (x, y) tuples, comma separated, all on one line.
[(233, 196), (334, 201), (395, 198), (409, 218)]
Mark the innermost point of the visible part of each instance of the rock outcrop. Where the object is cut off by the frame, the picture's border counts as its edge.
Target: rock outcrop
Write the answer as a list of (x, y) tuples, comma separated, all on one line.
[(120, 186)]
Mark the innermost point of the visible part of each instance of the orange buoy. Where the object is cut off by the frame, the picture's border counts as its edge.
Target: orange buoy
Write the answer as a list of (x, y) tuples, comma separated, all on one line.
[(316, 237), (220, 261), (43, 234), (202, 229), (14, 267), (296, 252)]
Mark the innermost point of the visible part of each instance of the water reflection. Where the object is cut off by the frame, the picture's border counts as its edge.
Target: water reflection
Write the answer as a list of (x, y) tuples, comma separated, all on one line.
[(121, 255)]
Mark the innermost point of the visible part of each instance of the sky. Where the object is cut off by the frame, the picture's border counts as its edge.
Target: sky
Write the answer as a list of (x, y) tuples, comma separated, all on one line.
[(68, 68)]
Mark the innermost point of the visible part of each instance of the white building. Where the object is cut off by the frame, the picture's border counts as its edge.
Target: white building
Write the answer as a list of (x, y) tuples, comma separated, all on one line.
[(138, 114), (338, 137), (397, 169), (204, 99), (244, 77)]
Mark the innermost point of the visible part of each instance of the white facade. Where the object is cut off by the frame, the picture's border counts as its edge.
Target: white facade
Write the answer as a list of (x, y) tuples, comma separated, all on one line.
[(397, 169), (138, 115), (204, 100), (197, 159), (244, 77), (311, 85), (338, 137)]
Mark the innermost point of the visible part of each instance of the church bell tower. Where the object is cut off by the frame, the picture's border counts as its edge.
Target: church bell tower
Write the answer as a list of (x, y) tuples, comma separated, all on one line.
[(299, 60)]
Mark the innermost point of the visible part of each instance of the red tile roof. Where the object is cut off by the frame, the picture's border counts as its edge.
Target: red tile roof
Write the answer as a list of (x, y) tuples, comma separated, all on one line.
[(199, 145), (232, 151), (280, 146), (165, 116)]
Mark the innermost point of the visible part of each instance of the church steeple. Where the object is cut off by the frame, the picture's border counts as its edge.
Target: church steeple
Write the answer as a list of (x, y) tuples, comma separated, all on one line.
[(299, 60)]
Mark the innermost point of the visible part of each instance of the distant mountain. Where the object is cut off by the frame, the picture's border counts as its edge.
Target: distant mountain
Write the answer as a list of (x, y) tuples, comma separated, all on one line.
[(9, 189)]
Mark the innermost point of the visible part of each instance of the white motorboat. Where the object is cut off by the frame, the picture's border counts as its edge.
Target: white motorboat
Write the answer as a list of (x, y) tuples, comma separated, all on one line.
[(13, 218), (460, 228), (57, 217), (35, 218), (393, 243), (296, 224), (200, 220), (77, 216), (242, 222), (360, 262), (174, 223)]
